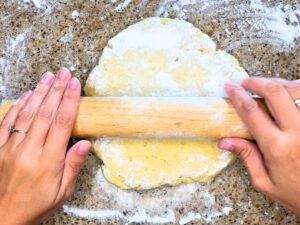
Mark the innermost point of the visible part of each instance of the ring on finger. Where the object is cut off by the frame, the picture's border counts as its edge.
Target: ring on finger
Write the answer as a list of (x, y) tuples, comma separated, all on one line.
[(14, 130), (297, 102)]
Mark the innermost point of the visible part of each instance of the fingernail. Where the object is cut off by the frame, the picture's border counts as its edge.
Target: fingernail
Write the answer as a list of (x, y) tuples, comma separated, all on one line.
[(73, 83), (83, 149), (226, 145), (47, 78), (63, 74), (231, 85)]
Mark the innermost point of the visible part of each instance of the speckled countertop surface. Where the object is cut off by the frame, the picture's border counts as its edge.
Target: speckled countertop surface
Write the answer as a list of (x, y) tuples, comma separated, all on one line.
[(41, 35)]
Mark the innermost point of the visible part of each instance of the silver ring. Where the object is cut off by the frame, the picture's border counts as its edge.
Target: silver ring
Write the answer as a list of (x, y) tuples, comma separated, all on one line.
[(14, 130), (297, 102)]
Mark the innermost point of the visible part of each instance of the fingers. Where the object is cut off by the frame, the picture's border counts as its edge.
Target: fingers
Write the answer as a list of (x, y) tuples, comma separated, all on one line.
[(28, 112), (251, 157), (293, 87), (75, 159), (10, 117), (278, 98), (63, 122), (43, 119), (259, 122)]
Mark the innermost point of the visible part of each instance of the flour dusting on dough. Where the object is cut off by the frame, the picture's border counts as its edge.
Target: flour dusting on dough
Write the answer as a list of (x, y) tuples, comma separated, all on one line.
[(139, 61)]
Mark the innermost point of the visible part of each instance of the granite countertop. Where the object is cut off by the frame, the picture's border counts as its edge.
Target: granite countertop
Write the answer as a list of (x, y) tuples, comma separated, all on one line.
[(41, 35)]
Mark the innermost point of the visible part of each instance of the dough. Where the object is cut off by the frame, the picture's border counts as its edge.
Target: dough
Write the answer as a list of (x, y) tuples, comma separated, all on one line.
[(170, 58)]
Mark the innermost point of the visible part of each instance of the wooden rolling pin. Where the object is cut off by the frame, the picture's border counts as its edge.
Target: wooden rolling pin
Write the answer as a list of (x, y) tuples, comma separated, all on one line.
[(155, 117)]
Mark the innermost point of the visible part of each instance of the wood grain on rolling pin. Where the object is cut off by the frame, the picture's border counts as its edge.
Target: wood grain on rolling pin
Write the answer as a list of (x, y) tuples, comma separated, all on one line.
[(155, 117)]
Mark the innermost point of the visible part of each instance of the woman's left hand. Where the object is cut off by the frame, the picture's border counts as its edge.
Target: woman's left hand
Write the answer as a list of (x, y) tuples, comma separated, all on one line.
[(37, 175)]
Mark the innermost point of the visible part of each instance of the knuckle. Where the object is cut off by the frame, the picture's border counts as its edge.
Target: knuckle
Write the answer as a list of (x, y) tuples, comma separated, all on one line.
[(63, 120), (249, 105), (58, 87), (279, 149), (25, 115), (75, 166), (24, 162), (245, 153), (40, 90), (6, 123), (45, 113), (274, 87), (69, 95)]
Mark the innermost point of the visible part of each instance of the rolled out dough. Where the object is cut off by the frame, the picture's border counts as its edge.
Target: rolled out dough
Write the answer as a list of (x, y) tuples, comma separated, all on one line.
[(161, 57)]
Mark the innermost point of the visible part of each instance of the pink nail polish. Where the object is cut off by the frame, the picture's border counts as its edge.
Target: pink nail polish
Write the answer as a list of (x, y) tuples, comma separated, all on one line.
[(226, 145), (231, 85), (74, 83), (83, 150), (47, 78), (63, 74)]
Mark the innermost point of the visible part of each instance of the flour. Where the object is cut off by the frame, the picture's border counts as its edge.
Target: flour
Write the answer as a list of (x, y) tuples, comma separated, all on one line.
[(179, 43), (40, 4), (140, 217), (93, 214), (16, 47), (274, 24), (189, 218), (277, 25), (122, 5), (151, 206), (139, 37), (166, 81), (67, 38), (75, 14), (18, 42), (133, 54), (279, 19)]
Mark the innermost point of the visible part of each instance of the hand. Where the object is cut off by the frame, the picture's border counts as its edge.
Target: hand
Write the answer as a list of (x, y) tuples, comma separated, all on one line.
[(37, 175), (273, 163)]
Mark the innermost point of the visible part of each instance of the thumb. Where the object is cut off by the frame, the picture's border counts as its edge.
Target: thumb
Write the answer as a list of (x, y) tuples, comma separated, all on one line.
[(73, 163), (252, 158)]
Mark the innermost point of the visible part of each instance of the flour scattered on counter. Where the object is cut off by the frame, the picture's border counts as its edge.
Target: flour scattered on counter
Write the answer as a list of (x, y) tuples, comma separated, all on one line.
[(189, 218), (279, 19), (157, 206), (75, 14), (16, 48), (140, 217), (18, 42), (67, 38), (40, 4), (260, 22), (93, 214), (122, 5), (2, 86)]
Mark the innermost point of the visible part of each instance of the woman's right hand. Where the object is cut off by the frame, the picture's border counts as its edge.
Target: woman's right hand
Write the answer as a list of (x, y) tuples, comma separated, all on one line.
[(273, 162)]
